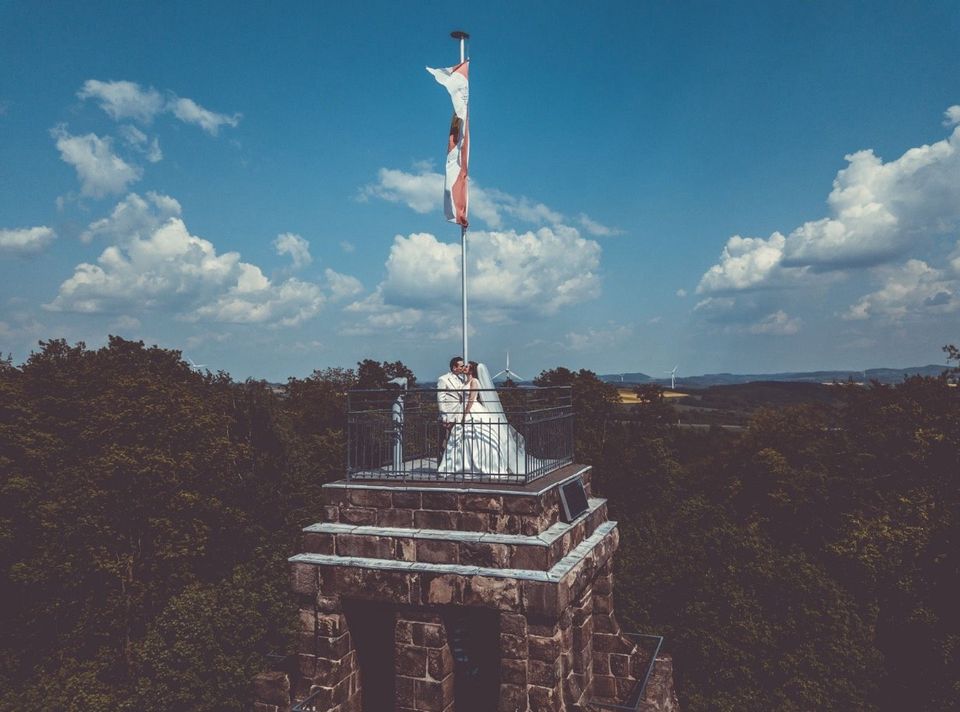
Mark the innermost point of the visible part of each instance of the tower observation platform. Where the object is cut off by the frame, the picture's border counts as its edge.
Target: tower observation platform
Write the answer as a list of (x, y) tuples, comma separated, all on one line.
[(477, 584)]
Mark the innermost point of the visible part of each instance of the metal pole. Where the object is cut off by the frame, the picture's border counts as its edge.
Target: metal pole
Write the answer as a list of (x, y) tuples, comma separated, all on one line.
[(462, 37), (463, 287)]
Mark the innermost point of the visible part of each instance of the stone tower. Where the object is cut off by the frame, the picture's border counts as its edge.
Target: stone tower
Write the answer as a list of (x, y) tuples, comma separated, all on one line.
[(423, 595)]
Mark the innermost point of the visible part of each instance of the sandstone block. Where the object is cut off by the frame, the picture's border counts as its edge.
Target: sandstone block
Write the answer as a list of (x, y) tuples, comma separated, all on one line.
[(481, 503), (513, 624), (395, 518), (492, 592), (380, 499), (411, 661), (513, 698), (440, 500), (482, 554), (513, 671), (473, 521), (530, 557), (304, 579), (407, 500), (442, 589), (434, 695), (358, 515), (373, 547), (518, 504), (437, 551), (439, 662), (543, 699), (544, 674), (544, 649), (513, 647), (427, 519), (317, 543)]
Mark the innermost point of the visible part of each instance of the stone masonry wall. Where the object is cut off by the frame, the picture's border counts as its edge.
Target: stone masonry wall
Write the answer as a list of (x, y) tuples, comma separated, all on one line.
[(428, 553)]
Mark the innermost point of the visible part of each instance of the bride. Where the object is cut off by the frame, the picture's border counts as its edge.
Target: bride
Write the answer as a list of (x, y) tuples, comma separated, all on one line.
[(483, 442)]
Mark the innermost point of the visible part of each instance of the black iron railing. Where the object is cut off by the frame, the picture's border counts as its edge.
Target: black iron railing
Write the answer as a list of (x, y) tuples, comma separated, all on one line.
[(511, 435), (636, 697)]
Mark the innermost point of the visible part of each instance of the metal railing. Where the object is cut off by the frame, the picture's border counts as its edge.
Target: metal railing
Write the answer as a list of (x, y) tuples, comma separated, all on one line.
[(399, 434), (636, 696)]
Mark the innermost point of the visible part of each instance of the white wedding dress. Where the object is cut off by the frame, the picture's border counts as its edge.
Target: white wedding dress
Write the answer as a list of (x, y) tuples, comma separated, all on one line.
[(485, 443)]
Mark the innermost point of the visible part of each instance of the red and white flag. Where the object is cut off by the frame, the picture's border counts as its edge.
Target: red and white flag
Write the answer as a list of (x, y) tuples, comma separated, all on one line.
[(458, 145)]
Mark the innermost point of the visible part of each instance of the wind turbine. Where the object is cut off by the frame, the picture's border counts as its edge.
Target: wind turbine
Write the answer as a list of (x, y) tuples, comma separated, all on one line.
[(508, 373), (673, 378)]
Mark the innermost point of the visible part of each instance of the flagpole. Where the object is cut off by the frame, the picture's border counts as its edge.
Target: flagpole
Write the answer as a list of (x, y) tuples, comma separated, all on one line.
[(463, 37)]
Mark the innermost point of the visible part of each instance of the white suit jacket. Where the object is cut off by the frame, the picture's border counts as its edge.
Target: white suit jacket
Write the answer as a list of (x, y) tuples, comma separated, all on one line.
[(450, 398)]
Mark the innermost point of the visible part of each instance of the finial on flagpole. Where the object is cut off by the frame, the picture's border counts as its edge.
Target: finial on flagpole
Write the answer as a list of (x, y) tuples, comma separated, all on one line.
[(462, 36)]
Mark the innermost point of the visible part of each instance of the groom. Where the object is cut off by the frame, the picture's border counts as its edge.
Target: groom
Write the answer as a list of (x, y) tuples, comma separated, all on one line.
[(450, 399)]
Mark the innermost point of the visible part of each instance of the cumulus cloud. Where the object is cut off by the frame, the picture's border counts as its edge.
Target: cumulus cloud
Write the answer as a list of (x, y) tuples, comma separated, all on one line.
[(128, 100), (157, 265), (133, 218), (951, 117), (298, 248), (422, 191), (25, 241), (744, 263), (535, 272), (538, 271), (124, 100), (779, 324), (342, 286), (100, 171), (878, 211), (911, 289)]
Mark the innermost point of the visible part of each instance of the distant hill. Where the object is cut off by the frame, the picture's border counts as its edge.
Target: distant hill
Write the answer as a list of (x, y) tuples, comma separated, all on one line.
[(883, 375), (626, 378)]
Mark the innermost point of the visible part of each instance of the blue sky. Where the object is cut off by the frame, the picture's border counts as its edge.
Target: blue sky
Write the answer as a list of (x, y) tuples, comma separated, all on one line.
[(749, 187)]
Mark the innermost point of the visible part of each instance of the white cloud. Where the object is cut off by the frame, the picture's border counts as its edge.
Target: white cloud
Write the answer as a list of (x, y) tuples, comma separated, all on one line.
[(100, 171), (140, 142), (422, 191), (878, 211), (779, 324), (510, 273), (681, 293), (744, 263), (911, 289), (188, 111), (133, 218), (347, 246), (951, 117), (537, 272), (157, 265), (128, 100), (288, 243), (27, 240), (124, 100), (342, 286), (595, 228)]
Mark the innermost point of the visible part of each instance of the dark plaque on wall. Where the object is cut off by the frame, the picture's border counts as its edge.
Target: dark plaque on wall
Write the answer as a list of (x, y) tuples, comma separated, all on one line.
[(573, 498)]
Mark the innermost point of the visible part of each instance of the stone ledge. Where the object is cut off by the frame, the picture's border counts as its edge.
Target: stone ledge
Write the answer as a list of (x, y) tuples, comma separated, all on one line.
[(545, 538), (446, 546), (554, 575)]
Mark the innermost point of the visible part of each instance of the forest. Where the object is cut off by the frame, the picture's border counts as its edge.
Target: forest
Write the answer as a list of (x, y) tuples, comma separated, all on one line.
[(808, 562)]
